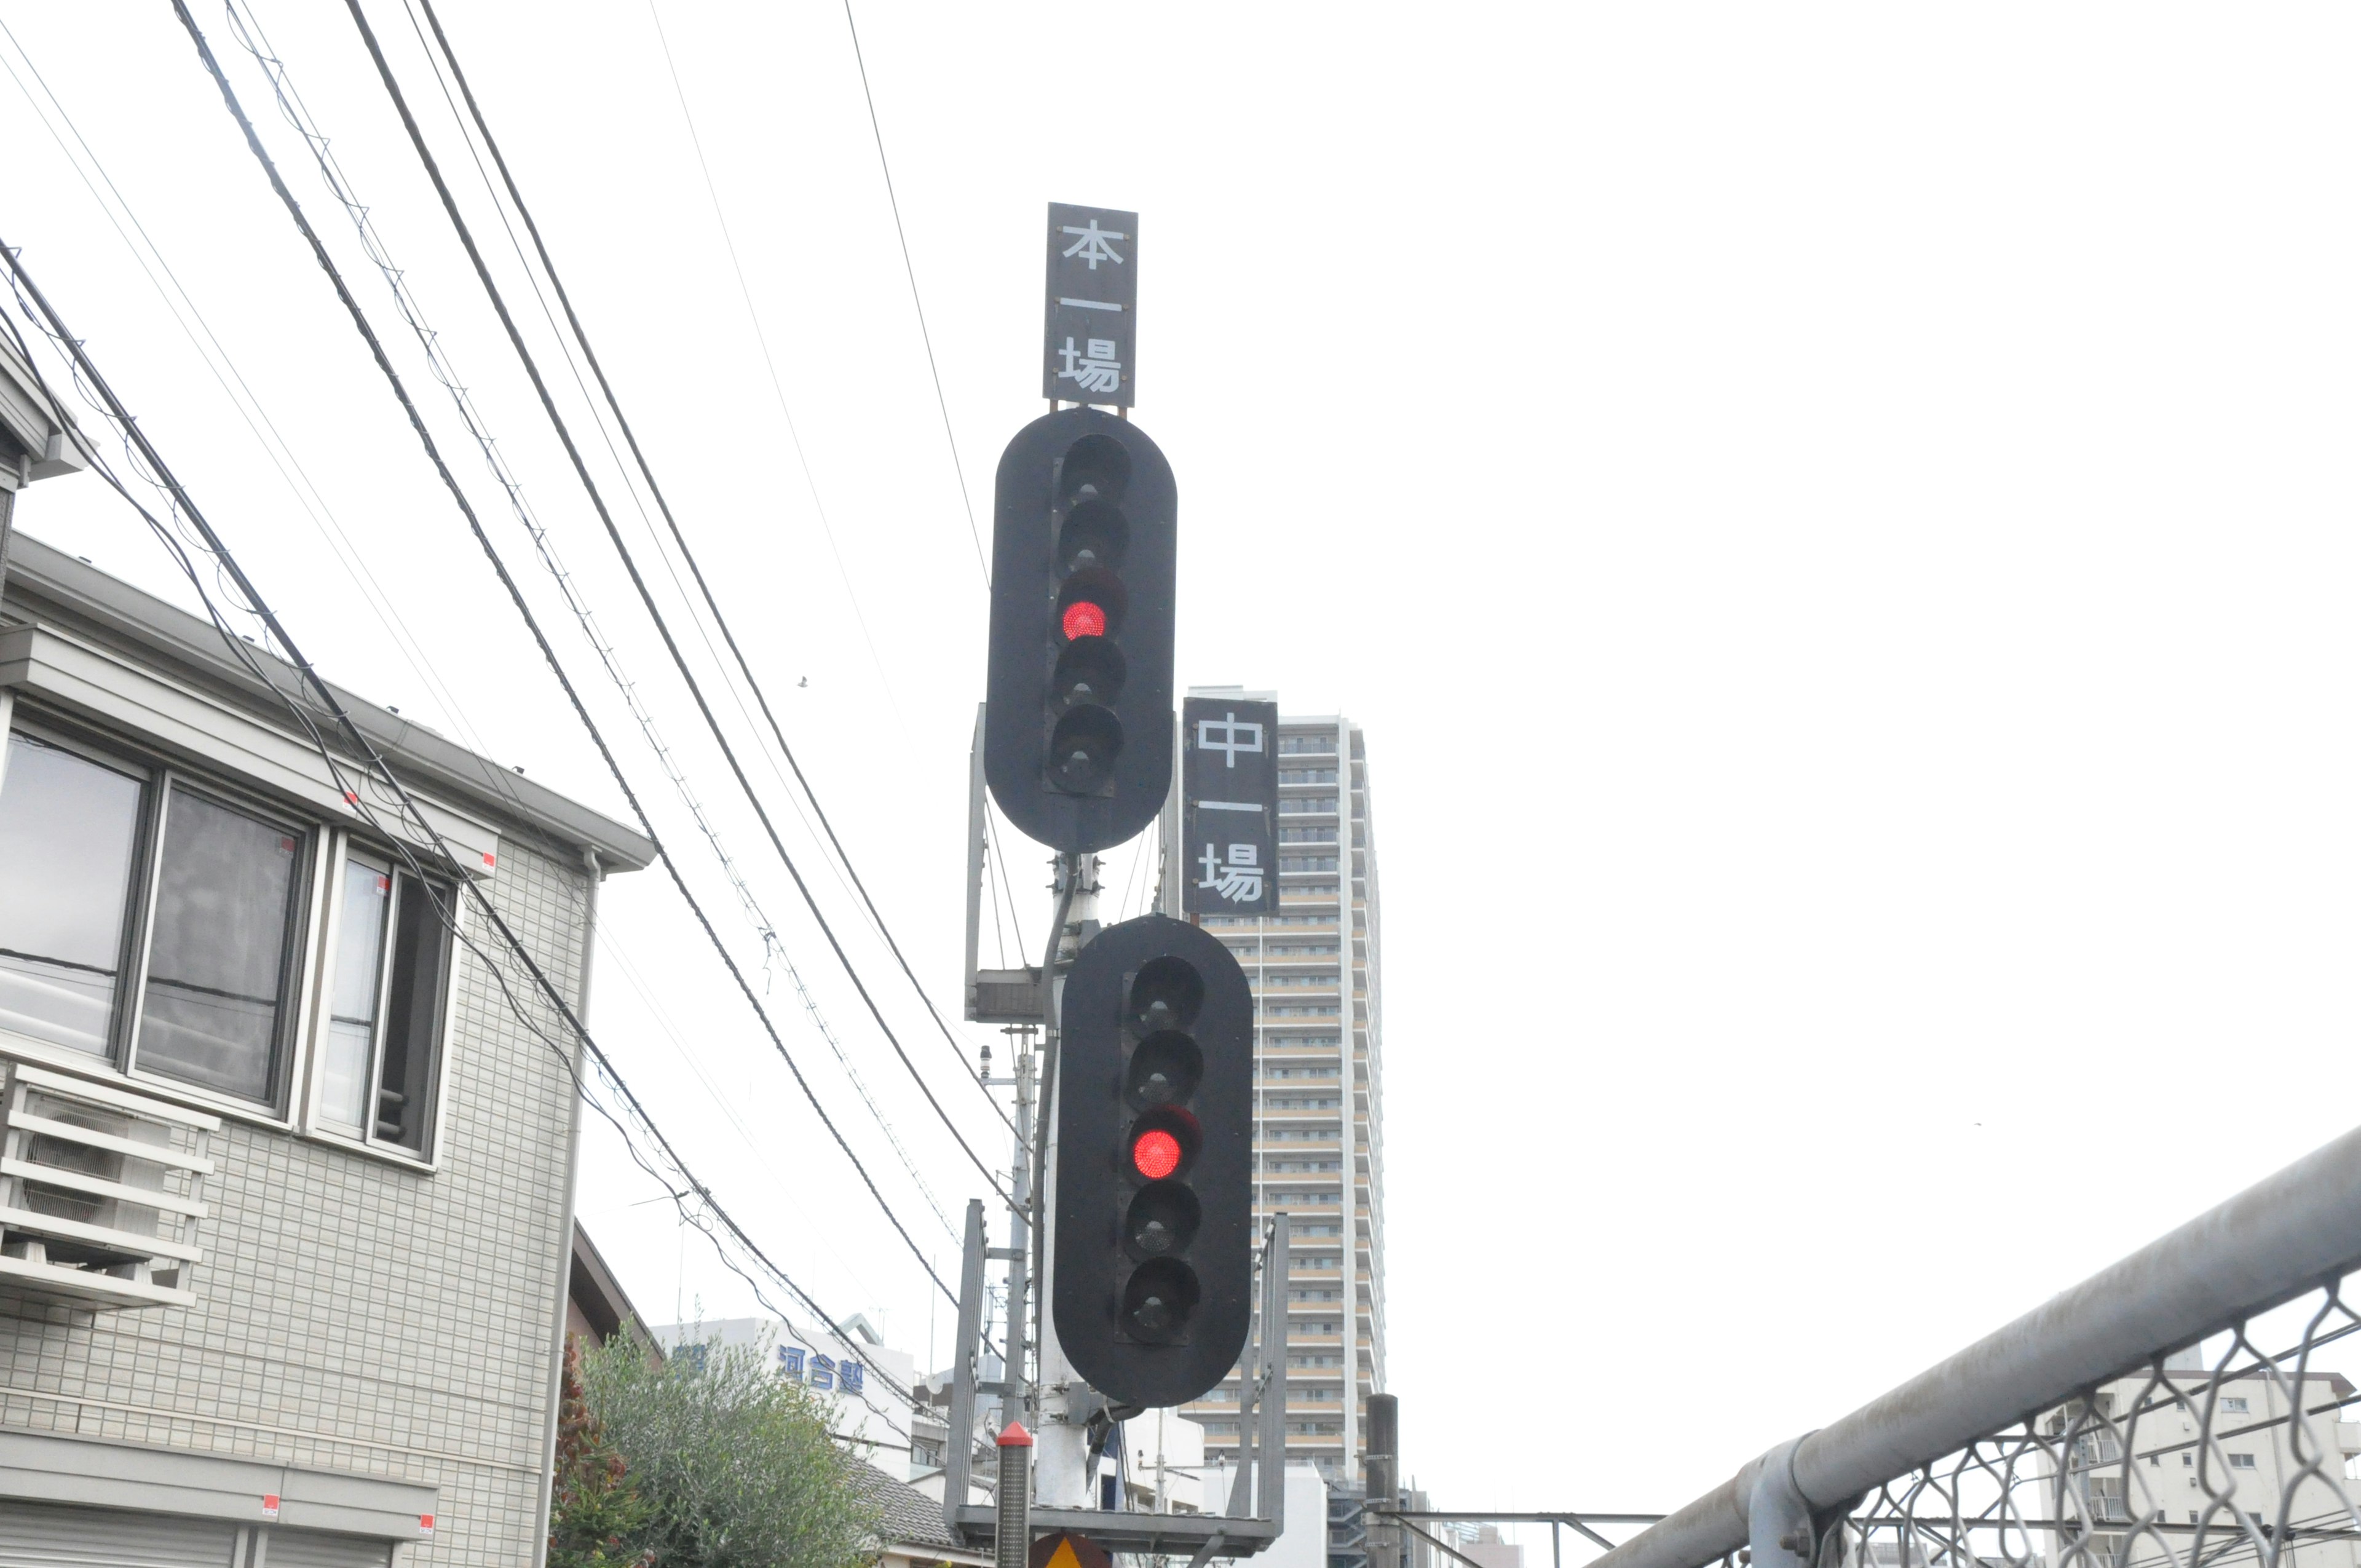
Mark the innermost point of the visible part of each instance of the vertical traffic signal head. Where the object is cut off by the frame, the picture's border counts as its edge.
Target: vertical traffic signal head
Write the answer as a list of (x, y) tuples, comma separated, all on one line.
[(1155, 1181), (1078, 718)]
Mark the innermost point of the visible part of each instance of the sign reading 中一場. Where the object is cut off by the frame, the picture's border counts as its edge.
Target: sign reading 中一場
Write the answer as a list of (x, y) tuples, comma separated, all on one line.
[(1090, 322), (1229, 805)]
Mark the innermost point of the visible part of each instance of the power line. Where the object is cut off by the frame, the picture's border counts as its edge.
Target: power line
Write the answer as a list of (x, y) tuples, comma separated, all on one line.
[(242, 395), (647, 600), (418, 424), (137, 441), (672, 525), (916, 304), (444, 371), (763, 341)]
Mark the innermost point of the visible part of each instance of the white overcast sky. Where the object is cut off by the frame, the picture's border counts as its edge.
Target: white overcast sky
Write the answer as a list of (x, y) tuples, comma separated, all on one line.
[(1838, 523)]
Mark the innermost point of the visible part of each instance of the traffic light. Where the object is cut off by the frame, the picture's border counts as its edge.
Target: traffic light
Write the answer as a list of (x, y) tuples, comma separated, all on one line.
[(1078, 717), (1152, 1290)]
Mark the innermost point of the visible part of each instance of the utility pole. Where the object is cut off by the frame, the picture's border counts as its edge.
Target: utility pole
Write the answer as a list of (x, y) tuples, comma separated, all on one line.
[(1381, 1480), (1062, 1452), (1020, 1189)]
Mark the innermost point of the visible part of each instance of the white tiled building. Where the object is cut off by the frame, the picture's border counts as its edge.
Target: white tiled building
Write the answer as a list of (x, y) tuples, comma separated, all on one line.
[(284, 1219)]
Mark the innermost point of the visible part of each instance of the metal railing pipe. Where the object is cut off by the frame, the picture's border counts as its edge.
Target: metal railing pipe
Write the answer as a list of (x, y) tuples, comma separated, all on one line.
[(2288, 1234)]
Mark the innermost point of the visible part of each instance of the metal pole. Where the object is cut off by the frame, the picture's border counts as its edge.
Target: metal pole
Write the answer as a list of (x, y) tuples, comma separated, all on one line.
[(1167, 838), (1271, 1476), (1012, 1522), (959, 1453), (978, 858), (1381, 1472), (1020, 1209), (1062, 1464), (2273, 1242)]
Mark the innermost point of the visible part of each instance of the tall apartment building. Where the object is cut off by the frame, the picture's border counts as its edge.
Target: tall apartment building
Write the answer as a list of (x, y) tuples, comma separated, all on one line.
[(1319, 1096)]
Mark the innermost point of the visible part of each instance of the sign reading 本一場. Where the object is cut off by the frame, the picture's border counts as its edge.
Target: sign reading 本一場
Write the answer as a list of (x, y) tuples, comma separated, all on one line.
[(1089, 324), (1229, 805)]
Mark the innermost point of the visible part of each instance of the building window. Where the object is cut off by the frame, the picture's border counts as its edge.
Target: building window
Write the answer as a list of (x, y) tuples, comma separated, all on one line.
[(161, 927), (2241, 1462), (147, 922), (2234, 1404), (69, 835), (226, 899), (388, 974)]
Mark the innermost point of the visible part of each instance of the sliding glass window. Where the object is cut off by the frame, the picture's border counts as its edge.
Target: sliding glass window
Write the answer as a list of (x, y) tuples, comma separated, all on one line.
[(380, 1042), (147, 922)]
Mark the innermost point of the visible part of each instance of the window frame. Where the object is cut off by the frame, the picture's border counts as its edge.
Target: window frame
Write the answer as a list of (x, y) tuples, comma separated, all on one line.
[(314, 1120), (286, 1040), (158, 777), (299, 1036)]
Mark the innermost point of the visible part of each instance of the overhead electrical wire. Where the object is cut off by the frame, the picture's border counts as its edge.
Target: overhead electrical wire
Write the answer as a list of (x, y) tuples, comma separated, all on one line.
[(418, 424), (225, 372), (647, 473), (378, 775), (242, 395), (639, 583), (447, 374), (763, 341), (910, 269)]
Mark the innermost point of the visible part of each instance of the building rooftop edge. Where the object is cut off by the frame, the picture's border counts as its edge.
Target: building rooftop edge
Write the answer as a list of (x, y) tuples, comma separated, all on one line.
[(37, 570)]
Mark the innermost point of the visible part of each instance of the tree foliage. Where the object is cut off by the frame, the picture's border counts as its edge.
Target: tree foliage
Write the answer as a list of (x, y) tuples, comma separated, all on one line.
[(595, 1516), (734, 1462)]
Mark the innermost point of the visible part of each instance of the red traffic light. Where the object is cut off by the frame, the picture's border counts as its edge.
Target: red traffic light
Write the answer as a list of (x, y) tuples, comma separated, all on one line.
[(1083, 619), (1156, 1154)]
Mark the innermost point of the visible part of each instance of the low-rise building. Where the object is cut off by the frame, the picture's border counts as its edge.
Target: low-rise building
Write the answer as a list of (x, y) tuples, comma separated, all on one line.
[(866, 1381), (2143, 1451), (285, 1197)]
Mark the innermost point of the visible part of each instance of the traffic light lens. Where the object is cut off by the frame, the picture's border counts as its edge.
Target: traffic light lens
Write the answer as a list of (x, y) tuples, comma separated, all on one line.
[(1162, 1143), (1091, 670), (1082, 749), (1164, 1071), (1156, 1154), (1166, 994), (1096, 467), (1161, 1220), (1083, 619), (1093, 535), (1158, 1300)]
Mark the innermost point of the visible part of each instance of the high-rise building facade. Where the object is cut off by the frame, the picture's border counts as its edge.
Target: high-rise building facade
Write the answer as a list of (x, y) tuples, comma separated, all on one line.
[(1318, 1095)]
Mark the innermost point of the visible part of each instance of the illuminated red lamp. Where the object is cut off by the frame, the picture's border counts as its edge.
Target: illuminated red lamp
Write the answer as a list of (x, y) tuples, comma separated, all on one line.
[(1083, 619), (1156, 1154)]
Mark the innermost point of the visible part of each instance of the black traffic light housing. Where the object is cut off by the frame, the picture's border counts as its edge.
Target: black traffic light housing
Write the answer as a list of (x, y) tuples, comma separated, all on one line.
[(1078, 717), (1152, 1290)]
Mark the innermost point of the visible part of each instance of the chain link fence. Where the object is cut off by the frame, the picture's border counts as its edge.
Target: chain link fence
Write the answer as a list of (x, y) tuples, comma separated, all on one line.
[(2180, 1410)]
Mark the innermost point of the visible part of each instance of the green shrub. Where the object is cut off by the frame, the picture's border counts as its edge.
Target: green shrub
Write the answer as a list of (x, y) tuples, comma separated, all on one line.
[(734, 1463)]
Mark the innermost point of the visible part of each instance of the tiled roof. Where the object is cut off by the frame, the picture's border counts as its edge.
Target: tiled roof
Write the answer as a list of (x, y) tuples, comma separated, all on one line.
[(912, 1517)]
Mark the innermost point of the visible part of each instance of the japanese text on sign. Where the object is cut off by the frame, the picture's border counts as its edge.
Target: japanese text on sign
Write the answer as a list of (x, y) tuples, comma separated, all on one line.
[(1094, 296), (1229, 804)]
